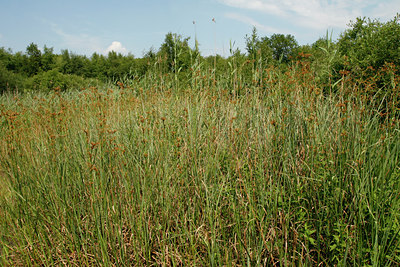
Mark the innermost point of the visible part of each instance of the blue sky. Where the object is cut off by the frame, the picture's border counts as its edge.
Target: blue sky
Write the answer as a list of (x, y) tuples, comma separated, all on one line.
[(88, 26)]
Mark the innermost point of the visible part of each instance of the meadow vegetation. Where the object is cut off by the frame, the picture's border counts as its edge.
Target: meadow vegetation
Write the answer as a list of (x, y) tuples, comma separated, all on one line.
[(253, 159)]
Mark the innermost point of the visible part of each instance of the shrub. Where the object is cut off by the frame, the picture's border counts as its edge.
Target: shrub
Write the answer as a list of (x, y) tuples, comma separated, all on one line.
[(372, 53), (51, 79), (370, 43), (9, 81)]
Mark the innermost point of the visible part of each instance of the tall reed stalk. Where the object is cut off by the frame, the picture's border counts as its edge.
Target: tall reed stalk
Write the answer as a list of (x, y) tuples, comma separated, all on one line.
[(156, 173)]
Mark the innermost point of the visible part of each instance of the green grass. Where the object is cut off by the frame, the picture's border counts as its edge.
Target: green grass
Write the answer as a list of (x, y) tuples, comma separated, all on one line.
[(202, 174)]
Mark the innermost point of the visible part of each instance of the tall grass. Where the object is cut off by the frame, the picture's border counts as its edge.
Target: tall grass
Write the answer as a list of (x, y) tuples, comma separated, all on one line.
[(212, 172)]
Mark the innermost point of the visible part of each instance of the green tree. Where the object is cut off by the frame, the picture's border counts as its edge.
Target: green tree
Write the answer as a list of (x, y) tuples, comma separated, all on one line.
[(176, 51), (34, 64), (79, 65), (372, 52), (9, 81), (258, 49), (283, 46), (48, 59), (150, 58), (252, 44), (97, 67), (114, 63), (371, 43), (74, 64), (65, 62)]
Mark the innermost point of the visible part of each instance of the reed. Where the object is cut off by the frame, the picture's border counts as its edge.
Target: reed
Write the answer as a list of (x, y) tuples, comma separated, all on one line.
[(215, 171)]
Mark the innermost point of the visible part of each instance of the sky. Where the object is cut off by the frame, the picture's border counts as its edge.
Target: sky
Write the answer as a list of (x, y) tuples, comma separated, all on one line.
[(87, 26)]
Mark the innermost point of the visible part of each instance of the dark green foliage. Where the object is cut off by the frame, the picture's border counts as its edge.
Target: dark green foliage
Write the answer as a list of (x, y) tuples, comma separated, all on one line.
[(279, 47), (176, 51), (258, 50), (370, 43), (74, 64), (372, 59), (34, 63), (9, 81), (11, 70), (283, 46), (16, 62), (119, 65), (48, 59), (52, 79), (367, 46)]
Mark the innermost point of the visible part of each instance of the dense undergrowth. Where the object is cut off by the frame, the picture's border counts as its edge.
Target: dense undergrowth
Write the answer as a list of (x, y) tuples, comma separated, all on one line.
[(213, 171)]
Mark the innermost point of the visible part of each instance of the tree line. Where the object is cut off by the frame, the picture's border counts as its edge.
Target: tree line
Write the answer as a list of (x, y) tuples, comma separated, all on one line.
[(365, 46)]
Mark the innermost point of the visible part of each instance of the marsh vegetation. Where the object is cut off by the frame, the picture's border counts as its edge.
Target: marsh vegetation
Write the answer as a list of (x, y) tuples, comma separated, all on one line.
[(257, 162)]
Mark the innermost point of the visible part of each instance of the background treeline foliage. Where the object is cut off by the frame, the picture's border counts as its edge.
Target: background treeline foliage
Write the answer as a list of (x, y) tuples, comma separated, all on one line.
[(366, 47)]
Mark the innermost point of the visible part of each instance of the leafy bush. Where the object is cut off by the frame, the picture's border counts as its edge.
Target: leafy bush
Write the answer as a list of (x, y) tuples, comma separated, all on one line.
[(51, 79), (372, 55), (370, 43), (9, 81)]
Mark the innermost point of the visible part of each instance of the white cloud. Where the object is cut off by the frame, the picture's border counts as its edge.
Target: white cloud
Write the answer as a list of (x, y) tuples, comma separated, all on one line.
[(260, 5), (116, 47), (80, 42), (252, 22), (386, 10), (86, 43), (319, 14)]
